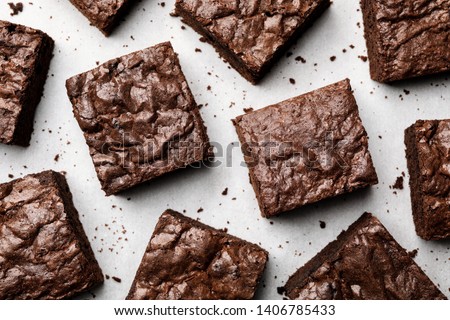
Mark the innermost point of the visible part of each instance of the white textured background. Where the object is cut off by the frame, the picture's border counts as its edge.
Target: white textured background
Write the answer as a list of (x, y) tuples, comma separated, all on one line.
[(292, 239)]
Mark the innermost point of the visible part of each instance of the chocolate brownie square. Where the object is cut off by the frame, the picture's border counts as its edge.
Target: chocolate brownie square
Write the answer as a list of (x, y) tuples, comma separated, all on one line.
[(139, 118), (25, 55), (103, 14), (250, 35), (44, 252), (428, 158), (364, 263), (406, 38), (187, 260), (306, 149)]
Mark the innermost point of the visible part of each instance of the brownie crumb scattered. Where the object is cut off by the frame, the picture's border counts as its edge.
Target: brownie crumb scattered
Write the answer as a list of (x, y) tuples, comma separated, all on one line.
[(16, 8), (281, 290), (333, 58), (10, 176), (323, 224), (406, 91), (398, 183), (107, 277), (248, 110), (363, 58), (56, 158), (225, 192), (301, 59), (116, 279), (413, 253), (292, 81), (200, 210), (198, 50)]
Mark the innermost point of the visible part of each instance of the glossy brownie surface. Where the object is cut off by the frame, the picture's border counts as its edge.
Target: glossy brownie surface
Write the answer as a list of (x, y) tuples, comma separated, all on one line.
[(364, 263), (306, 149), (188, 260), (428, 157), (44, 252), (407, 38), (139, 117), (25, 55)]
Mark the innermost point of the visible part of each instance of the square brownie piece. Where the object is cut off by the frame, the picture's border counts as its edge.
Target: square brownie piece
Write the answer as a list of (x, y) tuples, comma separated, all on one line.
[(103, 14), (188, 260), (250, 35), (139, 118), (25, 55), (428, 158), (44, 252), (306, 149), (364, 263), (407, 38)]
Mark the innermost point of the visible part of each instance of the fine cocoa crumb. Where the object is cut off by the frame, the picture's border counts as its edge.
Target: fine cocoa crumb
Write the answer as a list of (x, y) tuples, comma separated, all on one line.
[(413, 253), (333, 58), (200, 210), (323, 224), (56, 158), (116, 279), (198, 50), (10, 176), (16, 8), (363, 58), (225, 192), (292, 81), (398, 183), (406, 91), (248, 110)]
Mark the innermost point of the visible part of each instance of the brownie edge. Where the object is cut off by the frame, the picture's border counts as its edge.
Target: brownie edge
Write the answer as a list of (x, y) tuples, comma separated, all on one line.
[(45, 253), (426, 155)]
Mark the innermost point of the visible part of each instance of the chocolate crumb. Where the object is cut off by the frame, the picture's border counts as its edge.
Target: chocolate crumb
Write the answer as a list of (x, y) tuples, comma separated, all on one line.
[(116, 279), (363, 58), (107, 277), (16, 8), (413, 253), (202, 39), (333, 58), (56, 158), (200, 210), (198, 50), (406, 91), (398, 183), (10, 176), (301, 59), (292, 81), (248, 110), (323, 224), (163, 4), (281, 290), (225, 192)]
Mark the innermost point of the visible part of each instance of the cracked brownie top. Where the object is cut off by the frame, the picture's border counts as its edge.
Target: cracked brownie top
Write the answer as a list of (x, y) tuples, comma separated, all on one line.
[(407, 38), (188, 260), (139, 117), (306, 149), (44, 253)]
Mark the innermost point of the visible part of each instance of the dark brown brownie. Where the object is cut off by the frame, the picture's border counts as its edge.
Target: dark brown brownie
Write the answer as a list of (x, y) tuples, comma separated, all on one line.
[(44, 252), (250, 35), (188, 260), (306, 149), (364, 263), (25, 56), (406, 38), (104, 14), (139, 118), (428, 157)]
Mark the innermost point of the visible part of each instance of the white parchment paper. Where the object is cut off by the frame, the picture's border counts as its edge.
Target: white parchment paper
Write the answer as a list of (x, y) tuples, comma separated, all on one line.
[(119, 227)]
